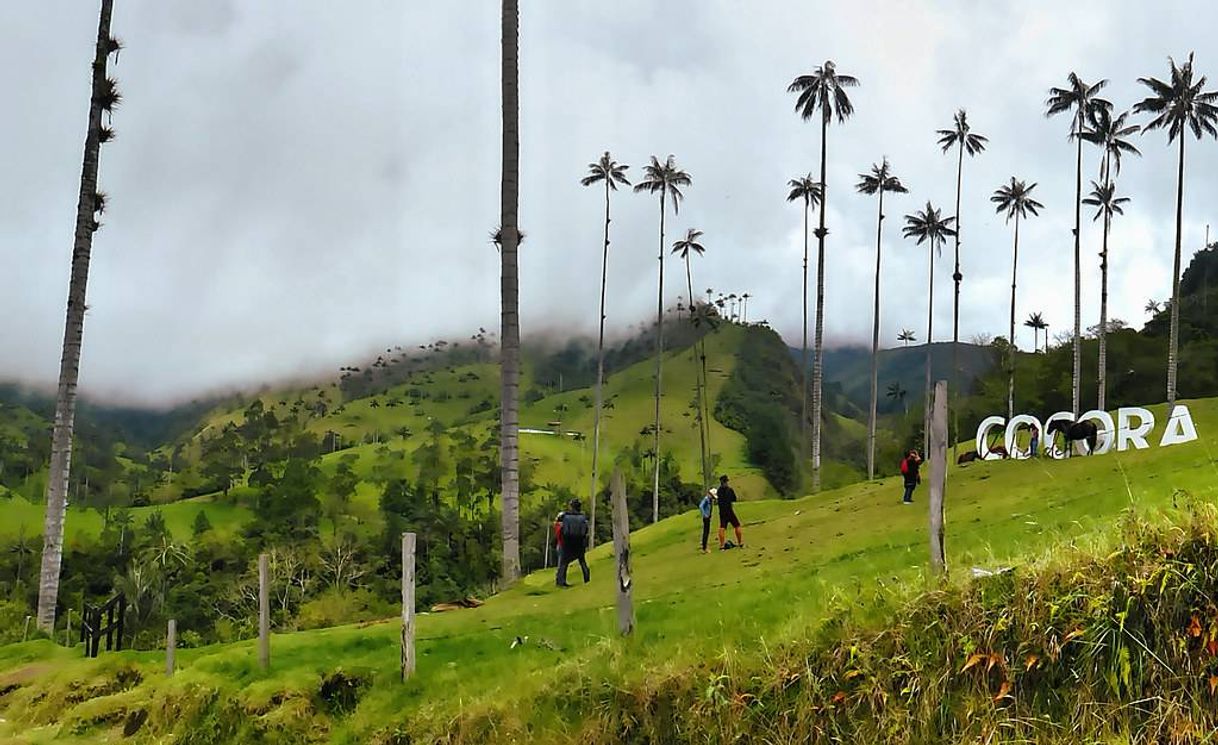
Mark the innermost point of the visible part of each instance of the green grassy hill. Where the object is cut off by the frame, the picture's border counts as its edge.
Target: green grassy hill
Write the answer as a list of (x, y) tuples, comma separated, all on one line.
[(702, 620)]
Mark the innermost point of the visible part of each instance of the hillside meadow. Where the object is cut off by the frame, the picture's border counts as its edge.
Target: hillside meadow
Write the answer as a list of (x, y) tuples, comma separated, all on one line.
[(804, 560)]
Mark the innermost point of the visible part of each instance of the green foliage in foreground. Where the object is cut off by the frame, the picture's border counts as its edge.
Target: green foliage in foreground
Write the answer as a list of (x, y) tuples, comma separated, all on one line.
[(756, 641)]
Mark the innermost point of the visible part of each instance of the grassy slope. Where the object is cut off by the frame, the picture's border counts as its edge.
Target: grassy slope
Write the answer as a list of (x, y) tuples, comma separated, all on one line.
[(557, 460), (21, 515), (803, 557)]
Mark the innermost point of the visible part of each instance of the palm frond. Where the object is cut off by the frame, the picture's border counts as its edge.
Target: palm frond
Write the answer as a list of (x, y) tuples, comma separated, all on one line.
[(823, 91)]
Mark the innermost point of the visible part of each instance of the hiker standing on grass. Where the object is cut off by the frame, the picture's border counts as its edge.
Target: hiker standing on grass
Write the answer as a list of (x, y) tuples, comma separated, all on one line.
[(1034, 445), (909, 469), (727, 514), (705, 507), (571, 535)]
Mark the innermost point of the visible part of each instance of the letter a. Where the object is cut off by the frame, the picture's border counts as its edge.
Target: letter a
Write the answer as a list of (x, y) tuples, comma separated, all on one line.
[(1180, 427)]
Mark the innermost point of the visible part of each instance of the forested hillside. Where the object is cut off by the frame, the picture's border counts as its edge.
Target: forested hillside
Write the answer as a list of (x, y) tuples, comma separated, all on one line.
[(327, 476)]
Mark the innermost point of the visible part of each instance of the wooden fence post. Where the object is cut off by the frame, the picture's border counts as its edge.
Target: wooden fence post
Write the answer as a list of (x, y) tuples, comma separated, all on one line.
[(171, 645), (938, 475), (621, 549), (408, 659), (264, 612)]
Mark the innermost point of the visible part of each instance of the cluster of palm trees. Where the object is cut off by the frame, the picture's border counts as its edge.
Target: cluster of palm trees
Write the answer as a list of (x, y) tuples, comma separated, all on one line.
[(1178, 105), (666, 180)]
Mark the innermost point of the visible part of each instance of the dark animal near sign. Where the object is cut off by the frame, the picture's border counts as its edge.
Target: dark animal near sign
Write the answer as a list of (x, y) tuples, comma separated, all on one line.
[(971, 456), (1074, 431)]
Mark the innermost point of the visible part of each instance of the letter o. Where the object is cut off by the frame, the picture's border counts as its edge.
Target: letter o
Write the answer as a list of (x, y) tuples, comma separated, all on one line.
[(1103, 441), (1053, 452), (1017, 421), (983, 433)]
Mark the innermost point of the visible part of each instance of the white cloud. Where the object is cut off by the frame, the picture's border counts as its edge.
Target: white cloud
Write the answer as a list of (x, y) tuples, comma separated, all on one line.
[(291, 190)]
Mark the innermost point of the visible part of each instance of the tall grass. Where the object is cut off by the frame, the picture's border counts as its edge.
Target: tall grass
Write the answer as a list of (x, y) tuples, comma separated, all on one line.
[(1116, 642)]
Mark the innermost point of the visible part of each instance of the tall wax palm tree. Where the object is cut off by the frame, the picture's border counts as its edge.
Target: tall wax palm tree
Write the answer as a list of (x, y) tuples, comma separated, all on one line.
[(823, 91), (611, 173), (666, 179), (1036, 322), (1153, 307), (90, 203), (1178, 106), (1103, 197), (744, 308), (684, 248), (877, 182), (1014, 200), (808, 191), (897, 393), (509, 291), (1081, 100), (961, 137), (929, 226), (1110, 134), (907, 336)]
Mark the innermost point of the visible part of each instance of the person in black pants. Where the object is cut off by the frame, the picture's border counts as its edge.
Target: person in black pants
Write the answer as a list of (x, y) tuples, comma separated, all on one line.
[(727, 513), (705, 507), (909, 470), (571, 534)]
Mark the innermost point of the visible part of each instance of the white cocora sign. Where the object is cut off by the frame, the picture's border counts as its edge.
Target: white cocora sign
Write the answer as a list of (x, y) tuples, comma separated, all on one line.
[(1132, 427)]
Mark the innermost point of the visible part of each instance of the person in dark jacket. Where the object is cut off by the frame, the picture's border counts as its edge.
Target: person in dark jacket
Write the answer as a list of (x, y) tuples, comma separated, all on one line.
[(726, 498), (571, 535), (909, 470)]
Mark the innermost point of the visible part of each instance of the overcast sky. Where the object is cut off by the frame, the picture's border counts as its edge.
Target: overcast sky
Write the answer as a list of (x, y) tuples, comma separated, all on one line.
[(295, 186)]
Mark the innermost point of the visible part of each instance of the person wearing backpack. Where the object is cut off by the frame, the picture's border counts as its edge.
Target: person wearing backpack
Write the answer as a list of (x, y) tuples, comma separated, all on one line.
[(571, 535), (909, 470)]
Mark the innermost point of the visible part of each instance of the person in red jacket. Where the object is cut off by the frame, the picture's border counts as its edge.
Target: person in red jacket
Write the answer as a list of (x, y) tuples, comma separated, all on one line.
[(571, 536), (909, 472)]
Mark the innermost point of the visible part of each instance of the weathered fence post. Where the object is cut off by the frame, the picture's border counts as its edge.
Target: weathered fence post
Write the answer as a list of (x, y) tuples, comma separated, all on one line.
[(171, 645), (25, 633), (408, 659), (545, 563), (621, 549), (938, 475), (264, 612)]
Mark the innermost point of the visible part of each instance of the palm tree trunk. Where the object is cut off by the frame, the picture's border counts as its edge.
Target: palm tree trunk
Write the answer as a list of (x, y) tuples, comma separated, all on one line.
[(1078, 277), (803, 414), (1102, 381), (1011, 338), (953, 394), (655, 493), (1174, 342), (818, 365), (699, 387), (69, 366), (875, 343), (600, 379), (509, 288), (930, 329)]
